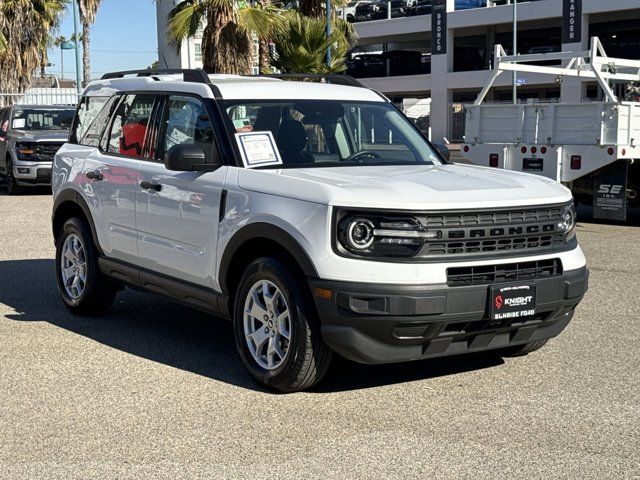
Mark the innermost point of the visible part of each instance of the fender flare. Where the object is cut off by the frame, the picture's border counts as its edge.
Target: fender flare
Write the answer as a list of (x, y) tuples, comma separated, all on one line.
[(72, 196), (265, 231)]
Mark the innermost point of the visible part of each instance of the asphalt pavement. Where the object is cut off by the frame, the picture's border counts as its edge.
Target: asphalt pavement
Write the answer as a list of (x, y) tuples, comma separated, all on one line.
[(155, 390)]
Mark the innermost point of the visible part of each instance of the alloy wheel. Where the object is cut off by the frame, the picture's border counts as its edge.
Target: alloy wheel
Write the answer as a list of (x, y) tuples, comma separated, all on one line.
[(267, 324), (73, 263)]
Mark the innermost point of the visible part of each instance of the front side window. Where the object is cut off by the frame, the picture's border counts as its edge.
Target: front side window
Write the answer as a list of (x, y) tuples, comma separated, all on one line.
[(4, 123), (187, 122), (129, 126), (334, 133)]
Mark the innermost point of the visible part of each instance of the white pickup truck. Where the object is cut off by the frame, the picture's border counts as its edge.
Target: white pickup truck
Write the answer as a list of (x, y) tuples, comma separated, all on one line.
[(590, 147)]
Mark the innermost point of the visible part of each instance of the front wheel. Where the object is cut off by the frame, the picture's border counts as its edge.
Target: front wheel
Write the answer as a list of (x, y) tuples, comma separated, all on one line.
[(84, 289), (12, 186), (276, 328)]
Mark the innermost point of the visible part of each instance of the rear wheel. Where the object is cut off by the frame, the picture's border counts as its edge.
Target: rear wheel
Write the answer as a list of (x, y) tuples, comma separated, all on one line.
[(85, 290), (520, 350), (276, 328)]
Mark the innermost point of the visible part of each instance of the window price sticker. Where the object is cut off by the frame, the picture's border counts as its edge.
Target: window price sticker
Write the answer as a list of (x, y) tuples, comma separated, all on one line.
[(258, 149)]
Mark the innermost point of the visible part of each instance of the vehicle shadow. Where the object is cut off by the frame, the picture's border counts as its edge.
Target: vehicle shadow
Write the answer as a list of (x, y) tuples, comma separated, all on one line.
[(152, 327)]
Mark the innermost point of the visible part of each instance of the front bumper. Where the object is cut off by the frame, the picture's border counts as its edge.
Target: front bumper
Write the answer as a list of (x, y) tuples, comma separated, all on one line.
[(32, 173), (374, 323)]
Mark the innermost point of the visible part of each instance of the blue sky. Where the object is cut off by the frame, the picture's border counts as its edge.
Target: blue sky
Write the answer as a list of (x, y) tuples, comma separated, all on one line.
[(122, 38)]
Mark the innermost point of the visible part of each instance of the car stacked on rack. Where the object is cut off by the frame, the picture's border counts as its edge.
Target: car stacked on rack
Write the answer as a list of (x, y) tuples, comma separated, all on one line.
[(315, 216)]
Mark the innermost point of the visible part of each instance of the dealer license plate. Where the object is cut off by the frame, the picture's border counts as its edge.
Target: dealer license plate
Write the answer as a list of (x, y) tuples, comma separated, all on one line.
[(512, 301)]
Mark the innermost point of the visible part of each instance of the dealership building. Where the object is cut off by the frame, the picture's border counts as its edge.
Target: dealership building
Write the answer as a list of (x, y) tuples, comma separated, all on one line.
[(439, 53), (457, 74)]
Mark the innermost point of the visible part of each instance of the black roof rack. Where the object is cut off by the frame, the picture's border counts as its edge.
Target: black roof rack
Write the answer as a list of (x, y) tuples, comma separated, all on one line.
[(189, 75), (337, 79)]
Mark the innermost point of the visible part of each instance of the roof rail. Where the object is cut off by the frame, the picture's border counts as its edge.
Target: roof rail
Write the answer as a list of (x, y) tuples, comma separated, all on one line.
[(334, 78), (189, 75)]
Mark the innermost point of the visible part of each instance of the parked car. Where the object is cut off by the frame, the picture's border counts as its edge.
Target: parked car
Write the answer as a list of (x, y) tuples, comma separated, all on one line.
[(29, 138), (348, 12), (419, 7), (333, 225)]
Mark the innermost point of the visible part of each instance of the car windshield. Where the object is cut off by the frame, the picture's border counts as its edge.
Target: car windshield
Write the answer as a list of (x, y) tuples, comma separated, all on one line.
[(42, 119), (323, 133)]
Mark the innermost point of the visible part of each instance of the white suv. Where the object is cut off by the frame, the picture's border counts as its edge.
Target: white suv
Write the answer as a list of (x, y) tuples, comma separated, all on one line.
[(314, 215)]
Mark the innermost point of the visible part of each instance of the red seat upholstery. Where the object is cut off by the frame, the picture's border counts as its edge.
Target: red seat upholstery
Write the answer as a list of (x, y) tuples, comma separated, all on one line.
[(132, 140)]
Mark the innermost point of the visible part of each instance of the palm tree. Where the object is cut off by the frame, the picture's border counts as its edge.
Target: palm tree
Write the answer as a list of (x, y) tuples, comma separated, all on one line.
[(23, 26), (226, 40), (88, 10), (301, 46)]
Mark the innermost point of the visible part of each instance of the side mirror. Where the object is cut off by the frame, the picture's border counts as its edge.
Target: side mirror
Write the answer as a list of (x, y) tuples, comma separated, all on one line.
[(190, 158), (443, 149)]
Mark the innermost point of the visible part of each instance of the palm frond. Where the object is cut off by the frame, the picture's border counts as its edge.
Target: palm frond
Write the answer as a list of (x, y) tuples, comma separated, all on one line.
[(184, 21)]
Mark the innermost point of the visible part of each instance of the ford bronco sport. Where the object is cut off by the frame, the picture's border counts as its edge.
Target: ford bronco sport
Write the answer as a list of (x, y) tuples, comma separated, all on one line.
[(313, 215)]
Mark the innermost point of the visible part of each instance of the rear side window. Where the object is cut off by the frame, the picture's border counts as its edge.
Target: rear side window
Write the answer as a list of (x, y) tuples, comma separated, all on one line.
[(95, 131), (88, 110), (129, 127)]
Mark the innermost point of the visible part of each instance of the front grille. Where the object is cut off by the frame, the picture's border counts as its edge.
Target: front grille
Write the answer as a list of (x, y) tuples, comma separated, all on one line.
[(44, 152), (507, 217), (511, 272), (493, 232)]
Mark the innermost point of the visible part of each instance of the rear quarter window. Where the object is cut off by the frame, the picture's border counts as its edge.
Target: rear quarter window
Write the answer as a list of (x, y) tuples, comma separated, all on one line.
[(88, 111)]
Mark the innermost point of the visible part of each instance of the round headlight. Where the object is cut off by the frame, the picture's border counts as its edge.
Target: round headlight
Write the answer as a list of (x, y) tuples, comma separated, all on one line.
[(360, 234), (568, 222)]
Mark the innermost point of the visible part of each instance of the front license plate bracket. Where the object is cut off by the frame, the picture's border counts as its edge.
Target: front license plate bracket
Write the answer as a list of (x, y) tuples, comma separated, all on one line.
[(511, 302)]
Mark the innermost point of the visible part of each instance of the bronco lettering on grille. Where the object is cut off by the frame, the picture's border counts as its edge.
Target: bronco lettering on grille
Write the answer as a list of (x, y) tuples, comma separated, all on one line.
[(498, 231)]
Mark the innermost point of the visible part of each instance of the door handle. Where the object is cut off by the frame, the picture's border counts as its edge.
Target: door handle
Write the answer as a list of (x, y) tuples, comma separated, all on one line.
[(151, 186), (96, 175)]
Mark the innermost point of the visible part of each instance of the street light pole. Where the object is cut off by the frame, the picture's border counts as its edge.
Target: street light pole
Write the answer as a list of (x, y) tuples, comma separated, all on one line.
[(328, 32), (515, 49), (61, 62), (75, 30)]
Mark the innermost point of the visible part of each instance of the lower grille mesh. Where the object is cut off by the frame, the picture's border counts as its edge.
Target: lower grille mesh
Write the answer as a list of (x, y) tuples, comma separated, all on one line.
[(511, 272)]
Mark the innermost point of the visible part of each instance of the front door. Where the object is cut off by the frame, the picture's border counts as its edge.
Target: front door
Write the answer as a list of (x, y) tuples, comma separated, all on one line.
[(177, 212)]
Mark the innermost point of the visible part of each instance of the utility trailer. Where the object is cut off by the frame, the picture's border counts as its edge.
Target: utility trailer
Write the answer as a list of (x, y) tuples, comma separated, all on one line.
[(592, 147)]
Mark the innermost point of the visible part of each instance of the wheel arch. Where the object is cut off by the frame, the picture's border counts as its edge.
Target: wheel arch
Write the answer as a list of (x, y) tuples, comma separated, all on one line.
[(257, 240), (70, 203)]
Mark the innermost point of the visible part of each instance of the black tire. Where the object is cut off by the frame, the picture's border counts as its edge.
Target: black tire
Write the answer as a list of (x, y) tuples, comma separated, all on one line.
[(307, 358), (12, 187), (520, 350), (99, 292)]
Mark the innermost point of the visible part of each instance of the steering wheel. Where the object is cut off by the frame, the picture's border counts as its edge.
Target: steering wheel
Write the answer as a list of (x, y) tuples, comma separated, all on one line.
[(363, 153)]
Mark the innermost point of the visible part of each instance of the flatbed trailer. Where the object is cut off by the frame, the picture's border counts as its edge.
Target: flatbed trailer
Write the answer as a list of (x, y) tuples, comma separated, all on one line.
[(592, 147)]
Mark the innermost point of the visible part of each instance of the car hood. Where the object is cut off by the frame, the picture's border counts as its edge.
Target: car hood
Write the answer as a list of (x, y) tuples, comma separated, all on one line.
[(412, 187), (60, 136)]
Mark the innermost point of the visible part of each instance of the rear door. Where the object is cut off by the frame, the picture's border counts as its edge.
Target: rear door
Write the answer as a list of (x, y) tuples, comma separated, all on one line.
[(111, 173), (177, 218)]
